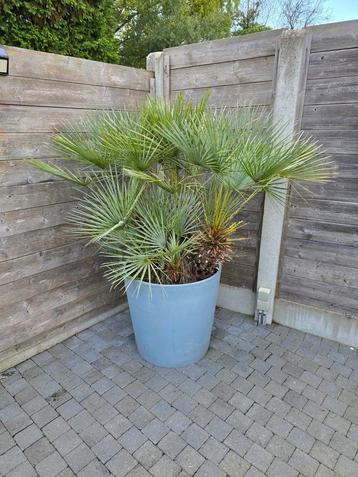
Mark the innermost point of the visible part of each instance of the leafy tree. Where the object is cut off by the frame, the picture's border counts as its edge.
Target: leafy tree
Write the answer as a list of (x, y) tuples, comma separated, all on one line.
[(82, 28), (248, 17), (152, 25)]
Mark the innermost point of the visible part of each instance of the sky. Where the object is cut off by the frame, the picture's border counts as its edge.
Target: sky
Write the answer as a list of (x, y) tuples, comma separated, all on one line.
[(342, 10)]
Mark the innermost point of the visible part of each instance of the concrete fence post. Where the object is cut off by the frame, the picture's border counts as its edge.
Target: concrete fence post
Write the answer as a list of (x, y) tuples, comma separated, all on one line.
[(158, 62), (292, 57)]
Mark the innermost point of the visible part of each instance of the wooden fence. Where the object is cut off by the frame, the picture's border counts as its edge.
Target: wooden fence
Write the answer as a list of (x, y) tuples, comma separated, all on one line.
[(236, 72), (318, 266), (50, 285), (320, 251)]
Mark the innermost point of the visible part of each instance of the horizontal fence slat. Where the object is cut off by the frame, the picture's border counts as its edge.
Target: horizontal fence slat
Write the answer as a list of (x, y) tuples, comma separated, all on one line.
[(255, 94), (330, 116), (37, 64), (323, 232), (36, 263), (333, 63), (334, 36), (252, 70), (36, 92), (228, 49), (332, 90)]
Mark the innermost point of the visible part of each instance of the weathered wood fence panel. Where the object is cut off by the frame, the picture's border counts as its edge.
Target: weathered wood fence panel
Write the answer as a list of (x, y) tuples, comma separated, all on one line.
[(320, 254), (50, 284), (237, 72)]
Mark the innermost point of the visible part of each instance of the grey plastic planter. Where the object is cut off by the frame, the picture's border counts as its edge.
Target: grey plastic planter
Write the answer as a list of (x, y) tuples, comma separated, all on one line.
[(173, 323)]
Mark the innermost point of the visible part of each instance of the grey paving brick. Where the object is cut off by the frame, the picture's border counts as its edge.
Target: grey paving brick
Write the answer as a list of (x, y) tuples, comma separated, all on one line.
[(106, 448), (51, 465), (190, 460), (178, 422), (259, 457), (155, 430), (343, 445), (218, 428), (121, 464), (195, 436), (239, 421), (118, 425), (259, 434), (213, 450), (302, 462), (165, 466), (23, 470), (324, 454), (279, 426), (278, 468), (132, 439), (6, 442), (55, 428), (172, 444), (148, 454), (79, 457), (233, 465), (346, 467), (320, 431), (67, 442), (94, 433), (94, 469), (238, 442), (301, 439), (209, 469), (11, 459)]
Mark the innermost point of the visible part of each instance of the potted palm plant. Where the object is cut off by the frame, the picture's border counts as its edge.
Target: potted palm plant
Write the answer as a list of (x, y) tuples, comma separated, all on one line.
[(163, 191)]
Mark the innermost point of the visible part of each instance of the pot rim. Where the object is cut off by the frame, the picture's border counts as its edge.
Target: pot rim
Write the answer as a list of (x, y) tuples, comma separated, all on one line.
[(198, 282)]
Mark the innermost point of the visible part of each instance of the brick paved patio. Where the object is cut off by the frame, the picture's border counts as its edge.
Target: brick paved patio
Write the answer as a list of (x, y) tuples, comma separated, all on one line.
[(264, 401)]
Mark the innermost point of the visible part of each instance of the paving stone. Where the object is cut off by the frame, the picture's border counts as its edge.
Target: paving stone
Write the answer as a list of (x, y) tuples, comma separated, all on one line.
[(148, 454), (201, 416), (118, 426), (162, 410), (51, 465), (302, 462), (23, 470), (165, 467), (213, 450), (346, 467), (93, 434), (301, 439), (259, 457), (11, 459), (132, 439), (67, 442), (178, 422), (39, 451), (121, 464), (81, 421), (343, 445), (155, 430), (260, 434), (6, 442), (190, 460), (278, 468), (320, 431), (218, 428), (94, 469), (209, 469), (69, 409), (238, 442), (324, 454), (279, 426), (79, 457), (233, 465), (195, 436), (239, 421), (106, 448), (141, 417), (55, 428)]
